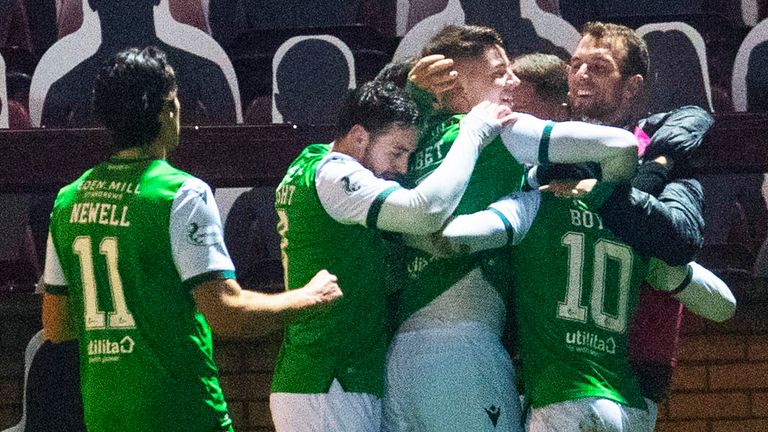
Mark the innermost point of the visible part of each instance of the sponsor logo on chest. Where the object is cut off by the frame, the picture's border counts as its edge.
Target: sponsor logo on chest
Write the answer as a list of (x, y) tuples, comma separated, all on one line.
[(108, 350)]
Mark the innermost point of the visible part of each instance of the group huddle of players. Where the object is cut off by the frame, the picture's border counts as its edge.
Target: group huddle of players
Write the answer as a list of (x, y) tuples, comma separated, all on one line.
[(439, 218)]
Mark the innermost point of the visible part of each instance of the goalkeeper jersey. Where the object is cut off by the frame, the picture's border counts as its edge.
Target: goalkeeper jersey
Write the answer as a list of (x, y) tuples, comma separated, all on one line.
[(347, 339), (128, 240), (576, 290), (496, 174)]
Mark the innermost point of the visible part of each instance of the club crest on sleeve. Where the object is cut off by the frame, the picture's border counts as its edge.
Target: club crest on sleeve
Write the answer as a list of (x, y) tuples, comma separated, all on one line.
[(203, 235), (349, 187)]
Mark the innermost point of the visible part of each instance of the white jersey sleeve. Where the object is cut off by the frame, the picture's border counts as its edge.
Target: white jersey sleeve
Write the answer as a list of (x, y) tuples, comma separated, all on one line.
[(352, 194), (505, 222), (197, 239), (697, 288), (531, 140), (53, 275), (347, 190)]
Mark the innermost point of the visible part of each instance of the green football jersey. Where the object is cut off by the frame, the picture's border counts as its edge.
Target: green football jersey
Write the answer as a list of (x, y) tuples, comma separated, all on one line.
[(145, 351), (347, 339), (576, 289), (496, 174)]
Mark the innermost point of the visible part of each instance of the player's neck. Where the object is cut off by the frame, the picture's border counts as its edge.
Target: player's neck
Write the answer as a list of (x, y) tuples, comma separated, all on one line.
[(152, 151)]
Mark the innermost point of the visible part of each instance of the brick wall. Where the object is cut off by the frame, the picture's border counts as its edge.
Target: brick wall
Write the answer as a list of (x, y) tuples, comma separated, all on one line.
[(720, 384)]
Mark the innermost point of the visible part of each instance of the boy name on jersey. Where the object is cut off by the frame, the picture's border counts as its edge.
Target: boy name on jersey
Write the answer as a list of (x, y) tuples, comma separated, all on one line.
[(586, 219), (586, 342), (99, 213)]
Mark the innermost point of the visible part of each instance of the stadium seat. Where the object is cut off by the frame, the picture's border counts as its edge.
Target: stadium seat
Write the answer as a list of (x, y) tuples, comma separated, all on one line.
[(421, 32), (735, 211), (190, 12), (18, 59), (175, 33), (62, 82), (550, 27), (749, 82), (727, 256), (310, 78), (14, 30), (18, 117), (252, 239), (412, 12), (677, 54)]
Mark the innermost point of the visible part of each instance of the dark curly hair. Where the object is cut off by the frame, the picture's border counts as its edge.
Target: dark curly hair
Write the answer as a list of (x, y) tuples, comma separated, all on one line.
[(129, 93), (376, 105)]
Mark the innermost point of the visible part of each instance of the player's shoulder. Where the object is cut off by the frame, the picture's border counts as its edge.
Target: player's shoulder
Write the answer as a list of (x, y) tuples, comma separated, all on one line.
[(301, 170), (335, 161), (162, 178), (313, 153), (338, 169)]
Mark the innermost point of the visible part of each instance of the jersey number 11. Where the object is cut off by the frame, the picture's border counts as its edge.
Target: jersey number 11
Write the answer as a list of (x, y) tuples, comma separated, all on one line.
[(94, 318)]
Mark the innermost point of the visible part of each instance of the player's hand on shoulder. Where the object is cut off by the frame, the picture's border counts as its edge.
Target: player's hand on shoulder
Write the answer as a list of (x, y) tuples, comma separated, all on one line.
[(435, 74), (322, 288), (497, 114), (486, 120)]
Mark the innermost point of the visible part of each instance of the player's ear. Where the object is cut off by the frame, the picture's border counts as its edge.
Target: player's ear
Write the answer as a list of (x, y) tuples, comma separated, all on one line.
[(359, 136), (633, 86)]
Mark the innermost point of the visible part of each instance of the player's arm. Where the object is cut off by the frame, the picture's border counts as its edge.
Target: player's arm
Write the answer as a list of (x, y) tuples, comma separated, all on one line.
[(697, 288), (505, 222), (535, 141), (233, 311), (677, 134), (352, 194), (205, 268), (669, 228), (58, 319)]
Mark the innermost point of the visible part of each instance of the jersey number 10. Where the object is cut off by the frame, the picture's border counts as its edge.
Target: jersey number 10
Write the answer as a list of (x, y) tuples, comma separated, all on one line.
[(94, 318), (571, 308)]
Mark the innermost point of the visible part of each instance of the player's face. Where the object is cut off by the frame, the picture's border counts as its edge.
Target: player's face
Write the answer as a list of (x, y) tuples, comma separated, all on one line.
[(488, 77), (387, 152), (597, 88), (525, 99)]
